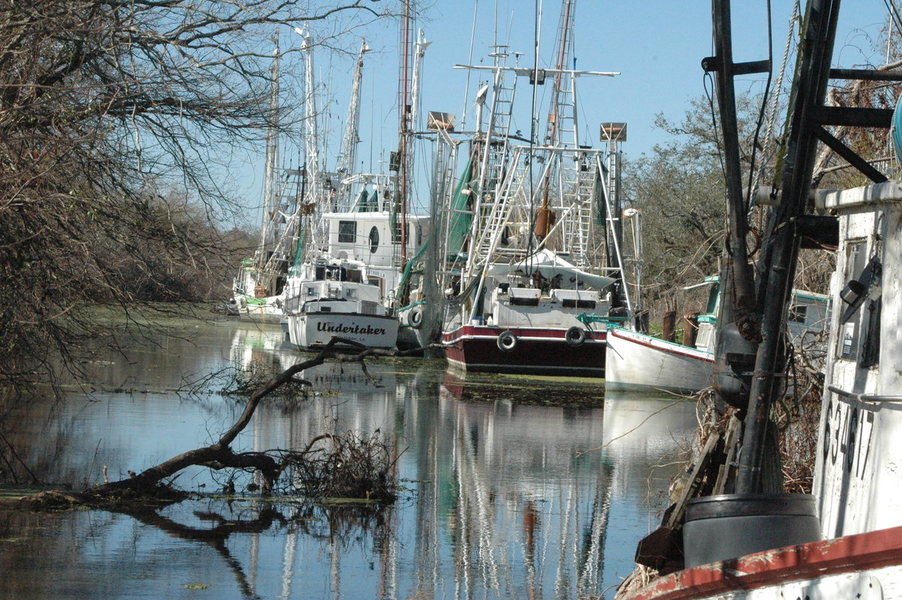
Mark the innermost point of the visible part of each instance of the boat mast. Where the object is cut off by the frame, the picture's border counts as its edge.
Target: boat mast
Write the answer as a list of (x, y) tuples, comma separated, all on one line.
[(404, 118), (347, 157), (270, 208), (311, 159), (788, 223), (783, 240)]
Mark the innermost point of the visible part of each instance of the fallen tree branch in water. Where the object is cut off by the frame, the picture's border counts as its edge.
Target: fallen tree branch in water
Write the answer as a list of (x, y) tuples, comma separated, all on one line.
[(148, 485)]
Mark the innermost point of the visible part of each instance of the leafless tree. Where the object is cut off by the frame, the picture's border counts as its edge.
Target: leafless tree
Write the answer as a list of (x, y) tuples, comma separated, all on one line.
[(113, 118)]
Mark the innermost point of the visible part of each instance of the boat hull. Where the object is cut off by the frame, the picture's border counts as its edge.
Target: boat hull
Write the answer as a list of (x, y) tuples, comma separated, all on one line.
[(640, 362), (258, 310), (310, 331), (536, 350), (865, 565)]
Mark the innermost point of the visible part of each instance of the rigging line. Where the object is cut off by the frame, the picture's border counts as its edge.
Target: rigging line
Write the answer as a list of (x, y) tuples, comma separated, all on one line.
[(894, 14), (708, 83), (463, 118), (772, 117), (770, 75)]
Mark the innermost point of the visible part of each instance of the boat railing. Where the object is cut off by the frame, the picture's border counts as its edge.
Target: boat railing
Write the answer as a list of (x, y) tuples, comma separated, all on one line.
[(876, 398)]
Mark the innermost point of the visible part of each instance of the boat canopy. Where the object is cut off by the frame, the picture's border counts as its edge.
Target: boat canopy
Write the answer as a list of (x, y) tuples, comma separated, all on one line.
[(549, 265)]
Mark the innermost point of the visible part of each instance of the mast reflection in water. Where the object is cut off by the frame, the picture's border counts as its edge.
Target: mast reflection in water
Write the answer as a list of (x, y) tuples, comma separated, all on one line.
[(512, 487)]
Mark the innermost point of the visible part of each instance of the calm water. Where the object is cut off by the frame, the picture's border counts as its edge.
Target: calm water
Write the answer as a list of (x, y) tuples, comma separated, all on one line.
[(512, 487)]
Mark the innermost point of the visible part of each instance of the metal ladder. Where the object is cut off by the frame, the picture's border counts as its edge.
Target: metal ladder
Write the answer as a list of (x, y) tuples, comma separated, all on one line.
[(511, 193), (586, 179)]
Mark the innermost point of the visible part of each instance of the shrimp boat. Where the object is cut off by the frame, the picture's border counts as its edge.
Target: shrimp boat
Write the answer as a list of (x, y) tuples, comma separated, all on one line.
[(337, 298), (844, 540), (355, 246), (637, 361), (330, 291), (529, 296)]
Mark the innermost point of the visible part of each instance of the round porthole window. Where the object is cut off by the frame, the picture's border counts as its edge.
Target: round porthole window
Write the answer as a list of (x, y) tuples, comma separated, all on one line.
[(374, 240)]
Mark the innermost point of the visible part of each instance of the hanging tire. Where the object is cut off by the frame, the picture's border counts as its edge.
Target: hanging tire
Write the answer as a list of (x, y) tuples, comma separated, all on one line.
[(415, 318), (507, 341), (575, 337)]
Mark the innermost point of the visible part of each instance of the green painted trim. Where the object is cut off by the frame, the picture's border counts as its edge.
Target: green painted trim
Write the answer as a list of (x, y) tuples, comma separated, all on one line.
[(417, 303)]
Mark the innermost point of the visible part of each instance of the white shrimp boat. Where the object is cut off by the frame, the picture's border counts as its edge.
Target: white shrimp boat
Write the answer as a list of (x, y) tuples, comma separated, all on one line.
[(334, 299), (538, 273), (636, 361)]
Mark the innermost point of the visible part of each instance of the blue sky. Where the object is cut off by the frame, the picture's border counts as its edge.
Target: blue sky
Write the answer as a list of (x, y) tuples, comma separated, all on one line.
[(657, 45)]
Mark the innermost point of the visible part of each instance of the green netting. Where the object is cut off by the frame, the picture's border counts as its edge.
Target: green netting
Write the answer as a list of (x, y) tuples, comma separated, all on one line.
[(601, 204), (459, 227), (408, 268), (299, 250)]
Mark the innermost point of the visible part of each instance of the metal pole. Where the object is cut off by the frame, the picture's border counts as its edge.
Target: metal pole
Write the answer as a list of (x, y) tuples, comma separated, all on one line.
[(779, 260)]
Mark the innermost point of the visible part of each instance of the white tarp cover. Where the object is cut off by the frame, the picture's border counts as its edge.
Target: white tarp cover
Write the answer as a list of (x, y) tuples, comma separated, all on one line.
[(549, 265)]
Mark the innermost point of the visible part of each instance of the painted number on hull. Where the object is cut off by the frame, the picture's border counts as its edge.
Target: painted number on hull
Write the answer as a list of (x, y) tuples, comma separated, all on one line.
[(847, 436)]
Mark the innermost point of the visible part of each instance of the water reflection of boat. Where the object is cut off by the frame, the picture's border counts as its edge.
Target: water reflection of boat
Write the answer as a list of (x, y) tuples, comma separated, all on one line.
[(647, 424), (495, 502), (519, 505), (255, 344), (521, 389)]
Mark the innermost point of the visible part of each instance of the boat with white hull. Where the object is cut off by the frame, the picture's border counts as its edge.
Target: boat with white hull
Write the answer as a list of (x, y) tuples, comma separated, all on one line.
[(637, 361), (856, 480), (641, 362), (329, 299)]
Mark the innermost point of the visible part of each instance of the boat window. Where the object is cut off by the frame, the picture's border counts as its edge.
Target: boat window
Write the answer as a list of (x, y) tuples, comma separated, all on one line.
[(575, 303), (377, 281), (311, 291), (524, 301), (798, 313), (870, 349), (713, 297), (347, 232), (374, 239), (850, 331)]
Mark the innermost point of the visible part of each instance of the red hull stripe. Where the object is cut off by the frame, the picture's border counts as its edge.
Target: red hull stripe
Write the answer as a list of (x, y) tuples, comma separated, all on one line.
[(847, 554), (477, 332)]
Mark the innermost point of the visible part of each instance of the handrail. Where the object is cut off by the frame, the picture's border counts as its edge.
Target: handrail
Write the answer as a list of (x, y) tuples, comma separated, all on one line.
[(864, 397)]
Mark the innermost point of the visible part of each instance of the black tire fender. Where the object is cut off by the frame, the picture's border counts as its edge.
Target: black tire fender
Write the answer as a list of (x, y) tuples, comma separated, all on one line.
[(575, 337)]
